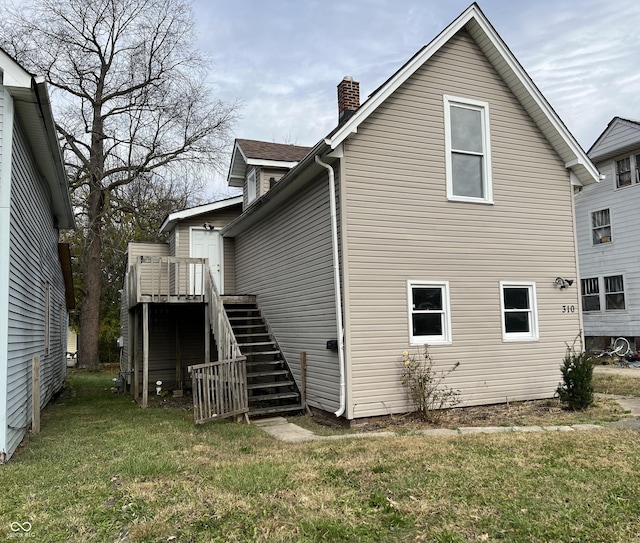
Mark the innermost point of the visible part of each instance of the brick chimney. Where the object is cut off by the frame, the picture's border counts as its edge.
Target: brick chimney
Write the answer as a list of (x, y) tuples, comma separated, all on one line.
[(348, 98)]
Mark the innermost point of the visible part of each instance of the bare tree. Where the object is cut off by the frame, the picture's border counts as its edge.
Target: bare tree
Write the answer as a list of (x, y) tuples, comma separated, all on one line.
[(132, 103)]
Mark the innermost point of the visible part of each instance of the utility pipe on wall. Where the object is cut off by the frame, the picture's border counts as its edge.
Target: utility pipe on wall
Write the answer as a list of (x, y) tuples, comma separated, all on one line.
[(336, 280)]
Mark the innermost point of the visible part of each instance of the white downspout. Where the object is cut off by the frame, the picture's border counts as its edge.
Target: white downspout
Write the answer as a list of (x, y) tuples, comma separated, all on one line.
[(336, 280)]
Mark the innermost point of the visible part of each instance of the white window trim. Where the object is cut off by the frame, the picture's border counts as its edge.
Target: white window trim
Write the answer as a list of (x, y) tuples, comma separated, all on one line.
[(445, 338), (534, 333), (633, 165), (252, 193), (483, 107), (592, 228), (603, 293)]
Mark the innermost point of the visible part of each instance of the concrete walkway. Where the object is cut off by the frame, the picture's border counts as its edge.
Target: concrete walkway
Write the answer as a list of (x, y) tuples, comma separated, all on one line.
[(288, 432)]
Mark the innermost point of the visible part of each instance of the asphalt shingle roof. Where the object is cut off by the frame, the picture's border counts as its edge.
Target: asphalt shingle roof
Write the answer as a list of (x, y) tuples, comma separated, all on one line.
[(272, 151)]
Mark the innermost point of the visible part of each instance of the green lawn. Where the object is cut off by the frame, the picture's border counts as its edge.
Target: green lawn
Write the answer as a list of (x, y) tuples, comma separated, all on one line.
[(103, 470), (616, 384)]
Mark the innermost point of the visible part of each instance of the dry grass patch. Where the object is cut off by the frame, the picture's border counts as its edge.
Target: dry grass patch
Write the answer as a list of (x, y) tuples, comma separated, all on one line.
[(616, 384), (156, 476)]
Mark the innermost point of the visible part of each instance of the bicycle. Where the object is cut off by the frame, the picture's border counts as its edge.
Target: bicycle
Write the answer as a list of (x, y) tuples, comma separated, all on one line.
[(619, 348)]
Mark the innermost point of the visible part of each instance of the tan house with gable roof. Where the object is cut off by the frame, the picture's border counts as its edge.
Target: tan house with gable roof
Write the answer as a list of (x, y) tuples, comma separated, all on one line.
[(439, 211)]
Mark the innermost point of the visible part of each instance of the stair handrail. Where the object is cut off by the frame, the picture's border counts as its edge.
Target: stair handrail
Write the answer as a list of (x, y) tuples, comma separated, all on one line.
[(223, 333)]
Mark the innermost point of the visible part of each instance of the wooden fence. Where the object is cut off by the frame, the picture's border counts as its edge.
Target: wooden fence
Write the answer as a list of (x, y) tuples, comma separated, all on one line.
[(219, 389)]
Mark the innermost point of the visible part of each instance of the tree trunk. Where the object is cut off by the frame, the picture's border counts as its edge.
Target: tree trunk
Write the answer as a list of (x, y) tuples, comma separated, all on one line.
[(90, 314)]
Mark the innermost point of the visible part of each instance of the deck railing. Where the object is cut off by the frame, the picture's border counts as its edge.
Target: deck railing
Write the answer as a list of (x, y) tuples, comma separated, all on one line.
[(222, 332), (166, 279), (219, 389)]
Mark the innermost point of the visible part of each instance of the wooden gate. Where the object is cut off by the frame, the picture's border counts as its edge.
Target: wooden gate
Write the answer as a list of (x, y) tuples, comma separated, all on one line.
[(219, 389)]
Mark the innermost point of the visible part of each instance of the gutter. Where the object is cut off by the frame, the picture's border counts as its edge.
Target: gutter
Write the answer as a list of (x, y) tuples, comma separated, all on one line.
[(336, 279)]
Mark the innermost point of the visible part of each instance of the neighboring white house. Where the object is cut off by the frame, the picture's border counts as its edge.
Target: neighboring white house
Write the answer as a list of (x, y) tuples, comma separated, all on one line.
[(36, 290), (609, 237)]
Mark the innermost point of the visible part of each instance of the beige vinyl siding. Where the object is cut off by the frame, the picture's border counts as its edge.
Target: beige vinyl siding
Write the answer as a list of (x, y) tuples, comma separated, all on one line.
[(218, 219), (265, 177), (286, 260), (148, 278), (399, 226), (34, 268)]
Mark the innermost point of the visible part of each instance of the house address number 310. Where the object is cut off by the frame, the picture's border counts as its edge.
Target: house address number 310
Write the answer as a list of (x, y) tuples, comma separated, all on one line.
[(568, 308)]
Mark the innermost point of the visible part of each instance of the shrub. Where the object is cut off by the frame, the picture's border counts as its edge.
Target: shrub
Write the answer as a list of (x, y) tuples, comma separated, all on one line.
[(424, 385), (576, 389)]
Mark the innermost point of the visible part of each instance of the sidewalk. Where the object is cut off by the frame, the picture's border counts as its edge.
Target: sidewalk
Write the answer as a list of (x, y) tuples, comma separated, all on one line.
[(288, 432)]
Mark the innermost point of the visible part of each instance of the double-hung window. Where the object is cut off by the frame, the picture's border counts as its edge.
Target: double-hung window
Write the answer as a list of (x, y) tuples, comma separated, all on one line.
[(468, 150), (429, 316), (590, 294), (614, 292), (623, 172), (601, 226), (519, 311)]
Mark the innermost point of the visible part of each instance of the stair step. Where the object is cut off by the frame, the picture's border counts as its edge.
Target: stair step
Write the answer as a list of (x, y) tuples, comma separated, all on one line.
[(271, 384), (256, 344), (257, 353), (278, 396), (242, 310), (243, 326), (251, 363), (252, 335), (274, 409), (268, 373), (244, 319)]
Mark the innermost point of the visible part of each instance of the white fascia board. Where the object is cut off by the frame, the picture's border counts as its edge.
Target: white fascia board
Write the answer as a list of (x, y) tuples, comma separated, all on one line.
[(272, 163), (199, 210), (13, 75)]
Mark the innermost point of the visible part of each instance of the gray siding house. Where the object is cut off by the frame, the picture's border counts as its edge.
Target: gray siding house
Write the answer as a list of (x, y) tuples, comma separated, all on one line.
[(439, 211), (36, 291), (608, 238)]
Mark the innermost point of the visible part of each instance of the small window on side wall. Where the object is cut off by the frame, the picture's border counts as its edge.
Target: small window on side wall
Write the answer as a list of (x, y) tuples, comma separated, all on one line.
[(590, 294), (601, 226), (623, 172), (252, 186), (519, 311), (614, 292), (468, 150), (429, 316)]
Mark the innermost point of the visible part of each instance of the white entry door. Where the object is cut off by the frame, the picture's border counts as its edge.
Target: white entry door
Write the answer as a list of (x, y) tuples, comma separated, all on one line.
[(206, 244)]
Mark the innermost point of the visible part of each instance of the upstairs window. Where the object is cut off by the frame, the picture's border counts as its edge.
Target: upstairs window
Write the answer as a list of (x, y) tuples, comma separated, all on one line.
[(252, 186), (623, 172), (429, 316), (519, 312), (637, 158), (601, 226), (467, 143), (590, 294), (614, 292)]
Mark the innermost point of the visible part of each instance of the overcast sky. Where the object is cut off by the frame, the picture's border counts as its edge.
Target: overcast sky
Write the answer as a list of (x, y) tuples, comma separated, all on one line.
[(282, 59)]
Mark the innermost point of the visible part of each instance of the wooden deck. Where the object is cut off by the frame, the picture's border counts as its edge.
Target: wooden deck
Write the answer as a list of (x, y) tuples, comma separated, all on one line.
[(167, 279)]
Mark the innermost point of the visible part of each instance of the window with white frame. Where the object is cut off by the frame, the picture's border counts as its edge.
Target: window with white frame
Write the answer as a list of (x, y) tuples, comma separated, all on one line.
[(519, 311), (601, 226), (252, 186), (590, 294), (637, 159), (614, 292), (429, 315), (623, 172), (468, 155)]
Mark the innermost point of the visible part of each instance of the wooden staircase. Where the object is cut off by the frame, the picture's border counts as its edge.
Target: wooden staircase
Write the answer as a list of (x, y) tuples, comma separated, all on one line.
[(271, 387)]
